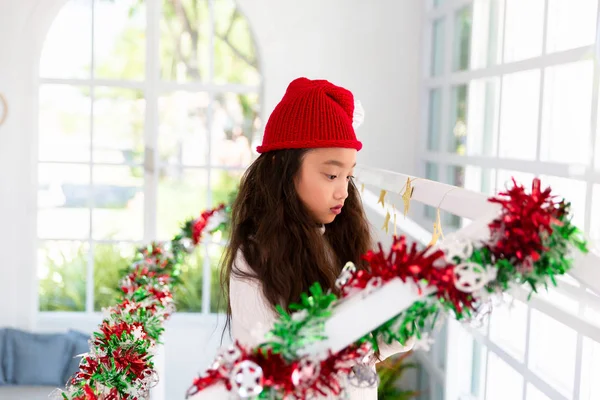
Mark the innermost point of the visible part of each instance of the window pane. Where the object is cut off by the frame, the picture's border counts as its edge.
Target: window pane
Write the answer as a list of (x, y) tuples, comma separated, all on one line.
[(120, 39), (118, 205), (63, 201), (181, 196), (503, 382), (570, 24), (590, 371), (110, 263), (64, 123), (223, 184), (597, 150), (439, 392), (504, 179), (61, 274), (118, 125), (480, 354), (486, 33), (567, 111), (67, 51), (234, 51), (455, 176), (183, 134), (519, 118), (524, 29), (555, 364), (188, 294), (508, 326), (439, 346), (473, 178), (463, 23), (437, 47), (185, 40), (235, 126), (218, 300), (595, 218), (424, 383), (475, 118), (571, 189), (435, 120), (456, 142), (534, 393)]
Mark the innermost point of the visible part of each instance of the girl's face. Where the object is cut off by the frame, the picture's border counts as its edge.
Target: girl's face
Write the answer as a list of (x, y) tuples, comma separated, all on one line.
[(323, 179)]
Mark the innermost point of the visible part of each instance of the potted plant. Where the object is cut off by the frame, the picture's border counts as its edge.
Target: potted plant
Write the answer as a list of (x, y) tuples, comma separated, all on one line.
[(390, 372)]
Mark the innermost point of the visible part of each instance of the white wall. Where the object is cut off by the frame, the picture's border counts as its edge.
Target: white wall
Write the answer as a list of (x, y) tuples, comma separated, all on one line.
[(371, 47)]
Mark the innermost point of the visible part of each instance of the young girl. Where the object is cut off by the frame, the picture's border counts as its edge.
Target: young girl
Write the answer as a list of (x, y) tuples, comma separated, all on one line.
[(298, 217)]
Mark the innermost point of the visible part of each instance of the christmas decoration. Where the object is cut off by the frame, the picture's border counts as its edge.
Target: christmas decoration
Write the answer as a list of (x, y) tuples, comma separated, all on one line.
[(530, 242), (382, 198), (119, 364), (407, 195)]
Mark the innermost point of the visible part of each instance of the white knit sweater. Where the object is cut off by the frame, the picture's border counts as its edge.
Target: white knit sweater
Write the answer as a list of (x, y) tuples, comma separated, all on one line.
[(252, 316)]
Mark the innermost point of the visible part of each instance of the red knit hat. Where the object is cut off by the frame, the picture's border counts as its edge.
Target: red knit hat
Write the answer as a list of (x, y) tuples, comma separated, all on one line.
[(311, 114)]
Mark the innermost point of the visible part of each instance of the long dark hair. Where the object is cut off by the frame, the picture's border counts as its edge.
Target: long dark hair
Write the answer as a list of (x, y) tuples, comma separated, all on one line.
[(281, 242)]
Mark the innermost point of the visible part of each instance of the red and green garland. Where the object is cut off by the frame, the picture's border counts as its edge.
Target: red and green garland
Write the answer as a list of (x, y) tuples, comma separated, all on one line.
[(529, 243), (119, 364)]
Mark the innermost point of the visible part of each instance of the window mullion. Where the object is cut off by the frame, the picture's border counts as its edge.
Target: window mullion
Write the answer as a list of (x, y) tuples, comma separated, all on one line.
[(89, 287), (446, 91), (590, 175), (151, 118), (538, 153), (206, 268)]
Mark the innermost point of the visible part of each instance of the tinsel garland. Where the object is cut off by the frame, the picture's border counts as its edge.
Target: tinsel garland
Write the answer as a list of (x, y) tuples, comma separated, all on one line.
[(119, 363), (530, 242)]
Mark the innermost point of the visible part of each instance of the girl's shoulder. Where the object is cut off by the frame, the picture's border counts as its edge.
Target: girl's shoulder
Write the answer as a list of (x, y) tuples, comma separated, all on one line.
[(241, 268)]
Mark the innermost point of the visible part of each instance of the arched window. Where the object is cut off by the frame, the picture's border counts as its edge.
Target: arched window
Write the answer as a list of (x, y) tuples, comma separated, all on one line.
[(148, 114)]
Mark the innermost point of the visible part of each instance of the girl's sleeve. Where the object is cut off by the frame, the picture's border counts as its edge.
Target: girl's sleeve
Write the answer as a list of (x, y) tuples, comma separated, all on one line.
[(251, 314)]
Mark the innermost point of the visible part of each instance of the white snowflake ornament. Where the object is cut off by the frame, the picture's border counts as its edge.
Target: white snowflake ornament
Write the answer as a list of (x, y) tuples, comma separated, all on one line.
[(454, 246), (231, 355), (471, 277), (307, 372), (246, 379), (363, 376)]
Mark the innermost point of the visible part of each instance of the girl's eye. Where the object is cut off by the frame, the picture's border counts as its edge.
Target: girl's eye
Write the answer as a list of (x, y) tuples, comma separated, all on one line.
[(350, 178), (331, 177)]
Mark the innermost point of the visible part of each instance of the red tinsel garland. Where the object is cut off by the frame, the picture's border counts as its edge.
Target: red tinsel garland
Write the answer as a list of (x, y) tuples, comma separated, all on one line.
[(201, 222), (282, 375), (525, 219)]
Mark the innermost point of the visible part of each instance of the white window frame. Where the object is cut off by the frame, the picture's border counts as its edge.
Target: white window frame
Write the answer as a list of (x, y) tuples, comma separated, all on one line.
[(152, 87), (458, 343)]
